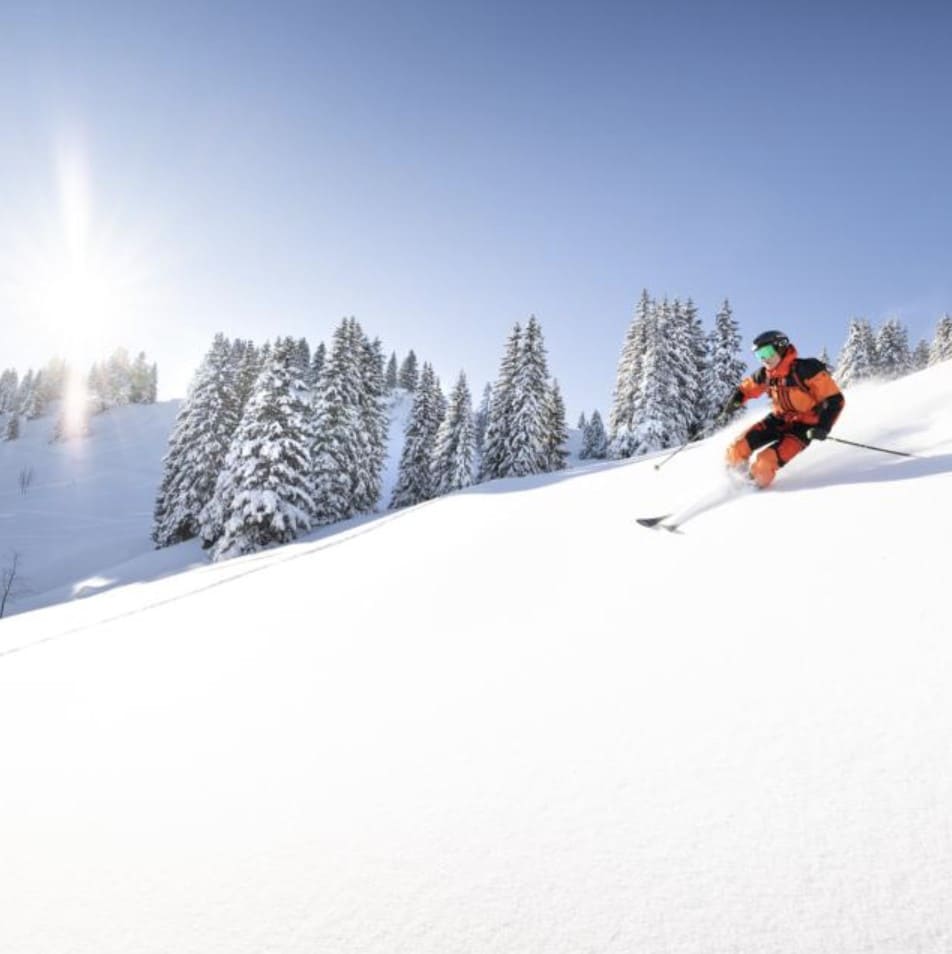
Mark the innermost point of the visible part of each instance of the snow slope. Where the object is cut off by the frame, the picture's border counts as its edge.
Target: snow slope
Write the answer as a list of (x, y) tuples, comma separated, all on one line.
[(84, 523), (511, 720)]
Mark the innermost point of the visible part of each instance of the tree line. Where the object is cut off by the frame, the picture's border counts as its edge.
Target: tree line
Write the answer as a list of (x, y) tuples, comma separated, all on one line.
[(272, 441), (115, 381), (885, 354), (674, 377)]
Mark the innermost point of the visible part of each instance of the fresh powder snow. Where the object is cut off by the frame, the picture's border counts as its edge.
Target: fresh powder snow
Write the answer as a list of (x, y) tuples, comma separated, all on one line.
[(506, 720)]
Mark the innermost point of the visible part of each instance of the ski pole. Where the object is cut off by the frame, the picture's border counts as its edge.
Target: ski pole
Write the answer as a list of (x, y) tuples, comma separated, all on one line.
[(694, 436), (839, 440), (661, 464)]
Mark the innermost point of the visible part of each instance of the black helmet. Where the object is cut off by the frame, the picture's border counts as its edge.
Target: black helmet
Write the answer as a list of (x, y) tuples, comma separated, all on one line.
[(776, 338)]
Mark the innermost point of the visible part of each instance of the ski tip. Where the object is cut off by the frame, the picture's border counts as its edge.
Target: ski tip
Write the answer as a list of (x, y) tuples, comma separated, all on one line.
[(652, 522)]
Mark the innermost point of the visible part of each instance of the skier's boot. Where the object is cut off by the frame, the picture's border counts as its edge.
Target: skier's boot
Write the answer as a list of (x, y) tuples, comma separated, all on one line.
[(736, 460), (764, 468), (737, 454)]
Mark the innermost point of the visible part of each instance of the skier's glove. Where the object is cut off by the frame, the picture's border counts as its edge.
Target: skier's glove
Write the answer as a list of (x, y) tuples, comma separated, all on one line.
[(737, 398), (817, 433)]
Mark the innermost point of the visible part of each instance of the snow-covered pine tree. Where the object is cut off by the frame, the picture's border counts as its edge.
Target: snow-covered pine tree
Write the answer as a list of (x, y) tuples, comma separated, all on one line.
[(337, 456), (409, 375), (393, 380), (265, 486), (97, 387), (415, 481), (455, 447), (594, 439), (857, 361), (941, 347), (118, 378), (482, 418), (658, 418), (496, 447), (204, 428), (697, 359), (920, 355), (824, 357), (31, 404), (373, 418), (892, 350), (621, 419), (140, 375), (52, 386), (725, 366), (685, 355), (9, 382), (303, 356), (317, 365), (12, 430), (582, 428), (555, 428), (527, 437)]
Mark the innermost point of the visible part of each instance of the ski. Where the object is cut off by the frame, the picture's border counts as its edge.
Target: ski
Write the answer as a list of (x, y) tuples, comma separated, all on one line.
[(733, 487), (652, 521)]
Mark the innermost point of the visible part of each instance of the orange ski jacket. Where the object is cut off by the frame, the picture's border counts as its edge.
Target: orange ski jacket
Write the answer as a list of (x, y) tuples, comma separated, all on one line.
[(801, 389)]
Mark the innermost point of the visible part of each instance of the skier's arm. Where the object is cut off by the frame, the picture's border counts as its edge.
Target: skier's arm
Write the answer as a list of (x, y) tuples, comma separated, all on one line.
[(751, 387), (829, 399)]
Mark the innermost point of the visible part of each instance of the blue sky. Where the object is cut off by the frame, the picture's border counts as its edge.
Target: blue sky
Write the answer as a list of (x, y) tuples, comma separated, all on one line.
[(443, 170)]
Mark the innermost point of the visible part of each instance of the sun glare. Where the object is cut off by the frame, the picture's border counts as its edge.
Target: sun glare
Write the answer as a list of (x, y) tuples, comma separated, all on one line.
[(77, 286)]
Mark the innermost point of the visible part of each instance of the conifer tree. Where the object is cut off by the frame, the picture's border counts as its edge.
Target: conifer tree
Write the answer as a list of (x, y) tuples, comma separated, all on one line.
[(725, 367), (52, 385), (317, 365), (373, 419), (409, 375), (482, 418), (455, 446), (338, 443), (9, 383), (303, 357), (32, 405), (696, 362), (941, 347), (264, 490), (892, 350), (594, 439), (857, 361), (246, 361), (629, 381), (204, 428), (920, 356), (118, 378), (392, 378), (140, 375), (658, 418), (527, 438), (685, 356), (496, 448), (555, 430), (415, 481), (12, 431)]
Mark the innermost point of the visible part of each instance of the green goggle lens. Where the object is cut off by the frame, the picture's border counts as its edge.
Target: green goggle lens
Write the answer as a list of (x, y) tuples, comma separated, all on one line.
[(766, 352)]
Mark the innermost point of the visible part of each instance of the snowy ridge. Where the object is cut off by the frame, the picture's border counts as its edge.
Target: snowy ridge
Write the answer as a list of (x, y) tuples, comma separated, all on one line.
[(510, 719)]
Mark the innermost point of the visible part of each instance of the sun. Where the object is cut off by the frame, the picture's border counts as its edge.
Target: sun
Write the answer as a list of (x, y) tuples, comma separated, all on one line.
[(75, 284)]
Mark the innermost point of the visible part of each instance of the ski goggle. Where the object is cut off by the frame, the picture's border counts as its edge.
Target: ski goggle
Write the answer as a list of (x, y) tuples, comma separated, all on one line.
[(766, 352)]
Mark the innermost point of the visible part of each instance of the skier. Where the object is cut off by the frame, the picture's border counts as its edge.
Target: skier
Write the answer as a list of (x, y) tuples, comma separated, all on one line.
[(806, 404)]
